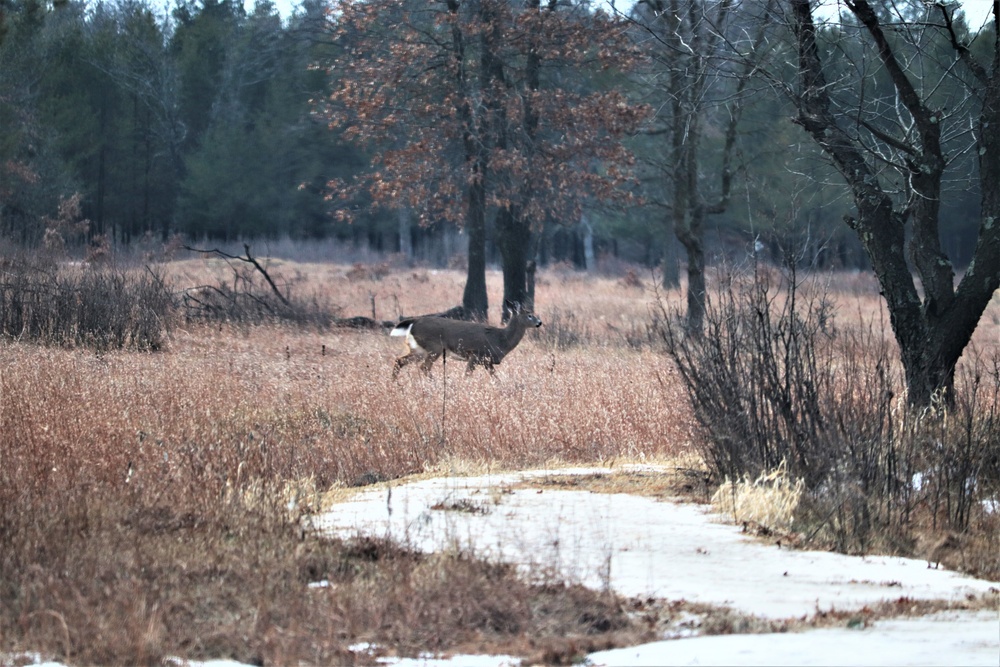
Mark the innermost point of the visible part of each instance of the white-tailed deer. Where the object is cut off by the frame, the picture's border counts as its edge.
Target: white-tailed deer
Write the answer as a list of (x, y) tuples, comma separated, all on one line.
[(430, 337)]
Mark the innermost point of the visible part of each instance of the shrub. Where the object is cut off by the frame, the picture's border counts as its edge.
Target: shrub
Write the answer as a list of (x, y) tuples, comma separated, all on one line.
[(247, 294), (774, 382), (99, 307), (757, 377)]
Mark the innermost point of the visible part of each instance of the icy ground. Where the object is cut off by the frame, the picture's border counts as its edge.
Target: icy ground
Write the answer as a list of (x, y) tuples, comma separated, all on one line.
[(639, 546)]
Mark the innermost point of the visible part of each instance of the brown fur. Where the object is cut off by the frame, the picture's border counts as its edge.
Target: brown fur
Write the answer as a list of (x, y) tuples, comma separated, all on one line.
[(479, 344), (944, 549)]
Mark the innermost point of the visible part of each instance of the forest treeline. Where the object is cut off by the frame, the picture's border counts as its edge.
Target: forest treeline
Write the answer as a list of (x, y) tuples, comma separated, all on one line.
[(203, 119)]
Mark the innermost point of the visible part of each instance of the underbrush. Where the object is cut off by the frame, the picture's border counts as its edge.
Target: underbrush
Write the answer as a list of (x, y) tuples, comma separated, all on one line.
[(95, 306), (244, 290), (150, 503), (776, 380)]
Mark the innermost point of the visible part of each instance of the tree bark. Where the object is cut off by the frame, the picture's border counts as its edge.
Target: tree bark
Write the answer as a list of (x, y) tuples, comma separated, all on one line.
[(474, 298), (514, 243), (405, 240), (691, 237), (589, 259), (670, 264)]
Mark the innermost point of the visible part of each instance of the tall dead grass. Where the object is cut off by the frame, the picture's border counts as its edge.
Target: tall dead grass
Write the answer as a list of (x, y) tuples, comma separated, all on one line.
[(143, 496)]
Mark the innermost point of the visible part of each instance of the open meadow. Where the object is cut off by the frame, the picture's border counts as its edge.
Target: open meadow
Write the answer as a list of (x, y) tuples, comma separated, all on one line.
[(151, 502)]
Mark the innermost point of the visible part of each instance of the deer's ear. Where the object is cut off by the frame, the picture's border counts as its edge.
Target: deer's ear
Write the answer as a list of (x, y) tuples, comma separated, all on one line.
[(512, 306)]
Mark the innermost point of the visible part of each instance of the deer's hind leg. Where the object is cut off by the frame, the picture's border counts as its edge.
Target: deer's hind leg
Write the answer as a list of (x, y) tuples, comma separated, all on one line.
[(406, 360), (429, 359)]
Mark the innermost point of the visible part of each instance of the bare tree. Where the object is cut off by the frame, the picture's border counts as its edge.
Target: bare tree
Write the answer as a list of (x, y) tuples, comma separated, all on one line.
[(693, 82), (894, 121)]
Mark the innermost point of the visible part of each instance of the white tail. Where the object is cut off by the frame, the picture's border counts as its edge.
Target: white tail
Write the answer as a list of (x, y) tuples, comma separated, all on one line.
[(486, 346)]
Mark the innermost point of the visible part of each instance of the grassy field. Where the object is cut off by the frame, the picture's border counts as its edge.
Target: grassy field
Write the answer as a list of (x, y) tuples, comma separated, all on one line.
[(145, 496), (151, 499)]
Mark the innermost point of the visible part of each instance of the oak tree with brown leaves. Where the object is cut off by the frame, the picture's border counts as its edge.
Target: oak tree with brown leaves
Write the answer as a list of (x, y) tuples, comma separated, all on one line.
[(479, 109)]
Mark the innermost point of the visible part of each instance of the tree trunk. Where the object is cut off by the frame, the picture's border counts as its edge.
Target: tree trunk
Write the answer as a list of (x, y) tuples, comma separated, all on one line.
[(514, 243), (589, 260), (931, 333), (474, 298), (692, 33), (670, 265), (530, 280), (692, 238), (514, 235), (405, 240)]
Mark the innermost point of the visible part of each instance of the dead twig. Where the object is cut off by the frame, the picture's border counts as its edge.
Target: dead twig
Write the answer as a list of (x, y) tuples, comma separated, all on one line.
[(248, 259)]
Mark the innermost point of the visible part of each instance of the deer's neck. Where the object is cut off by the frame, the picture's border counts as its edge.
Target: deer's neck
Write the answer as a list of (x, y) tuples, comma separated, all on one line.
[(513, 333)]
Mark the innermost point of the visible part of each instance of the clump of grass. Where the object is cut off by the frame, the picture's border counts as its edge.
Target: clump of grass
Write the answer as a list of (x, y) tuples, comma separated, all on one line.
[(770, 501)]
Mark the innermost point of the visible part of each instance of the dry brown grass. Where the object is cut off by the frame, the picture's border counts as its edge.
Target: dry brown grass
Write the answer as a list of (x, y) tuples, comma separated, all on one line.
[(770, 501), (601, 309), (144, 496)]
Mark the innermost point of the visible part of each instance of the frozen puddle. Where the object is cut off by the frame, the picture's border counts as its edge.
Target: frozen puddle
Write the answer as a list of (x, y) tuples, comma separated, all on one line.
[(639, 546), (947, 638)]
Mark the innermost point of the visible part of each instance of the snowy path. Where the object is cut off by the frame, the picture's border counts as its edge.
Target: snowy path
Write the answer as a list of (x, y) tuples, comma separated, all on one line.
[(643, 547)]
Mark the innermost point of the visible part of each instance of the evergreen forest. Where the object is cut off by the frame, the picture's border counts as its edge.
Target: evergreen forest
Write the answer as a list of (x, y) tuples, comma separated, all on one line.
[(214, 121)]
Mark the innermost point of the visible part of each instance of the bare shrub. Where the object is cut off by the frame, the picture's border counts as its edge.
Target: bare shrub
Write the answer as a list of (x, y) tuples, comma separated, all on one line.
[(956, 448), (103, 308), (248, 294), (774, 381), (756, 377)]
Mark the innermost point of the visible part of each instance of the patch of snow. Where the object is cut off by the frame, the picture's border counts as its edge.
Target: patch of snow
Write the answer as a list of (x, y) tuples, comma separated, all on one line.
[(947, 638), (453, 661), (180, 662), (634, 545)]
